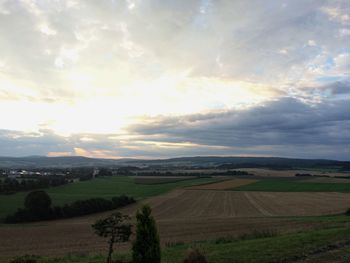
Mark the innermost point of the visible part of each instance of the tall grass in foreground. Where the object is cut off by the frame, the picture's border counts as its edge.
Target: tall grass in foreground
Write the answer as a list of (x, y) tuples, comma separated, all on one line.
[(257, 250)]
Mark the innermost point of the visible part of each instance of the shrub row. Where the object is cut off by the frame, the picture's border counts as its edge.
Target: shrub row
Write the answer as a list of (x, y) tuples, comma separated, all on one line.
[(77, 208)]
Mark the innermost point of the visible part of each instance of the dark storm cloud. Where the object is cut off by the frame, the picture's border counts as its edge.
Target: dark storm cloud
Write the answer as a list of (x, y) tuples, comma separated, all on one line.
[(16, 143), (286, 123)]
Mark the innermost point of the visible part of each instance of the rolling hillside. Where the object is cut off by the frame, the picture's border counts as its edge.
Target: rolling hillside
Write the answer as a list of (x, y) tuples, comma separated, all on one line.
[(199, 161)]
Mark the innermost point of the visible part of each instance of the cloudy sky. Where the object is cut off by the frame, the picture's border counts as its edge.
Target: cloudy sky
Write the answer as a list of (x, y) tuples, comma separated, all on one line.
[(164, 78)]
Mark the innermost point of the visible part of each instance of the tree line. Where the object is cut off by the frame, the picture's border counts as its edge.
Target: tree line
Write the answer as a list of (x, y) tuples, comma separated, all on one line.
[(11, 185), (38, 206), (197, 174)]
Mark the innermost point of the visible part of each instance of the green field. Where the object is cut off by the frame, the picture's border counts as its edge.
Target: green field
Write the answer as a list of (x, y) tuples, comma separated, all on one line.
[(278, 185), (160, 180), (105, 187), (280, 248)]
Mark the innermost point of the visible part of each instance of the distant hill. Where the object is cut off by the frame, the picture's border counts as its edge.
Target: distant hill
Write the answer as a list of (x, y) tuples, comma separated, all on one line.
[(198, 161), (247, 162), (55, 162)]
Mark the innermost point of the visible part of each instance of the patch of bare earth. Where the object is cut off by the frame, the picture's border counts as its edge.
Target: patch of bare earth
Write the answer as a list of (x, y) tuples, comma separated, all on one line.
[(228, 184), (182, 216)]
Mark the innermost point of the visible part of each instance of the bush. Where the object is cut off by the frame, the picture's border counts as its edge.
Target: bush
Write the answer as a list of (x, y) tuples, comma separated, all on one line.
[(25, 259), (77, 208), (195, 256), (38, 203), (347, 212)]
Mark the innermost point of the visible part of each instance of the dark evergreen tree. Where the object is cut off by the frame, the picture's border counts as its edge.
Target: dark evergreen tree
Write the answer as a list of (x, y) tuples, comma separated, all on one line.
[(146, 248)]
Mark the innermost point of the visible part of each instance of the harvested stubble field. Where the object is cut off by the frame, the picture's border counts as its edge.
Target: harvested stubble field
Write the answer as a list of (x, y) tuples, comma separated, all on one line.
[(182, 216), (280, 185), (227, 184), (183, 204), (75, 236)]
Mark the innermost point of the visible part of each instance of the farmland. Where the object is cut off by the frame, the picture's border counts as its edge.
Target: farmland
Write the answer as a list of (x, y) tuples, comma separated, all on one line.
[(289, 247), (185, 204), (191, 210), (106, 187), (278, 185), (185, 216), (292, 247), (290, 173), (226, 184), (161, 179)]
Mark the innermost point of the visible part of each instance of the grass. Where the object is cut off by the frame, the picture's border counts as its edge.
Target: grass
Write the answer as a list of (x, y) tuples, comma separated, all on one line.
[(160, 180), (105, 187), (270, 249), (334, 256), (338, 218), (276, 185)]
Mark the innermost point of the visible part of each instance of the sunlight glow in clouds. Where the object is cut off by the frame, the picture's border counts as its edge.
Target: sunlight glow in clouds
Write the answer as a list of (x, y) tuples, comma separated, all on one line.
[(77, 73), (97, 112)]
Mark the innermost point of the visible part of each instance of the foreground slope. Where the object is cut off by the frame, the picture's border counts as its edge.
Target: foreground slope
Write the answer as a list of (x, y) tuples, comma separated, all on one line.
[(182, 216)]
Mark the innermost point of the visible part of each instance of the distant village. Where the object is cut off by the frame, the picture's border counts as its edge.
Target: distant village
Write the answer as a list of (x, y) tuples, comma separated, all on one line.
[(15, 180)]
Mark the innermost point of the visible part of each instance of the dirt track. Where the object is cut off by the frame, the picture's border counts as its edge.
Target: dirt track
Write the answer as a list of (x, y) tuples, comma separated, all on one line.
[(182, 215)]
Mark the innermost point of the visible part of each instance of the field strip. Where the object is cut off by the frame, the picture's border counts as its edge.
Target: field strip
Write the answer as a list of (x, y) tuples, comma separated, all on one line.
[(227, 184), (257, 206), (233, 209), (169, 206), (326, 180), (197, 206), (210, 199)]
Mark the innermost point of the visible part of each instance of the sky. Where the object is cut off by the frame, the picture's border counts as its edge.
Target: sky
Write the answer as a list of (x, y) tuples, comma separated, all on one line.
[(162, 78)]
